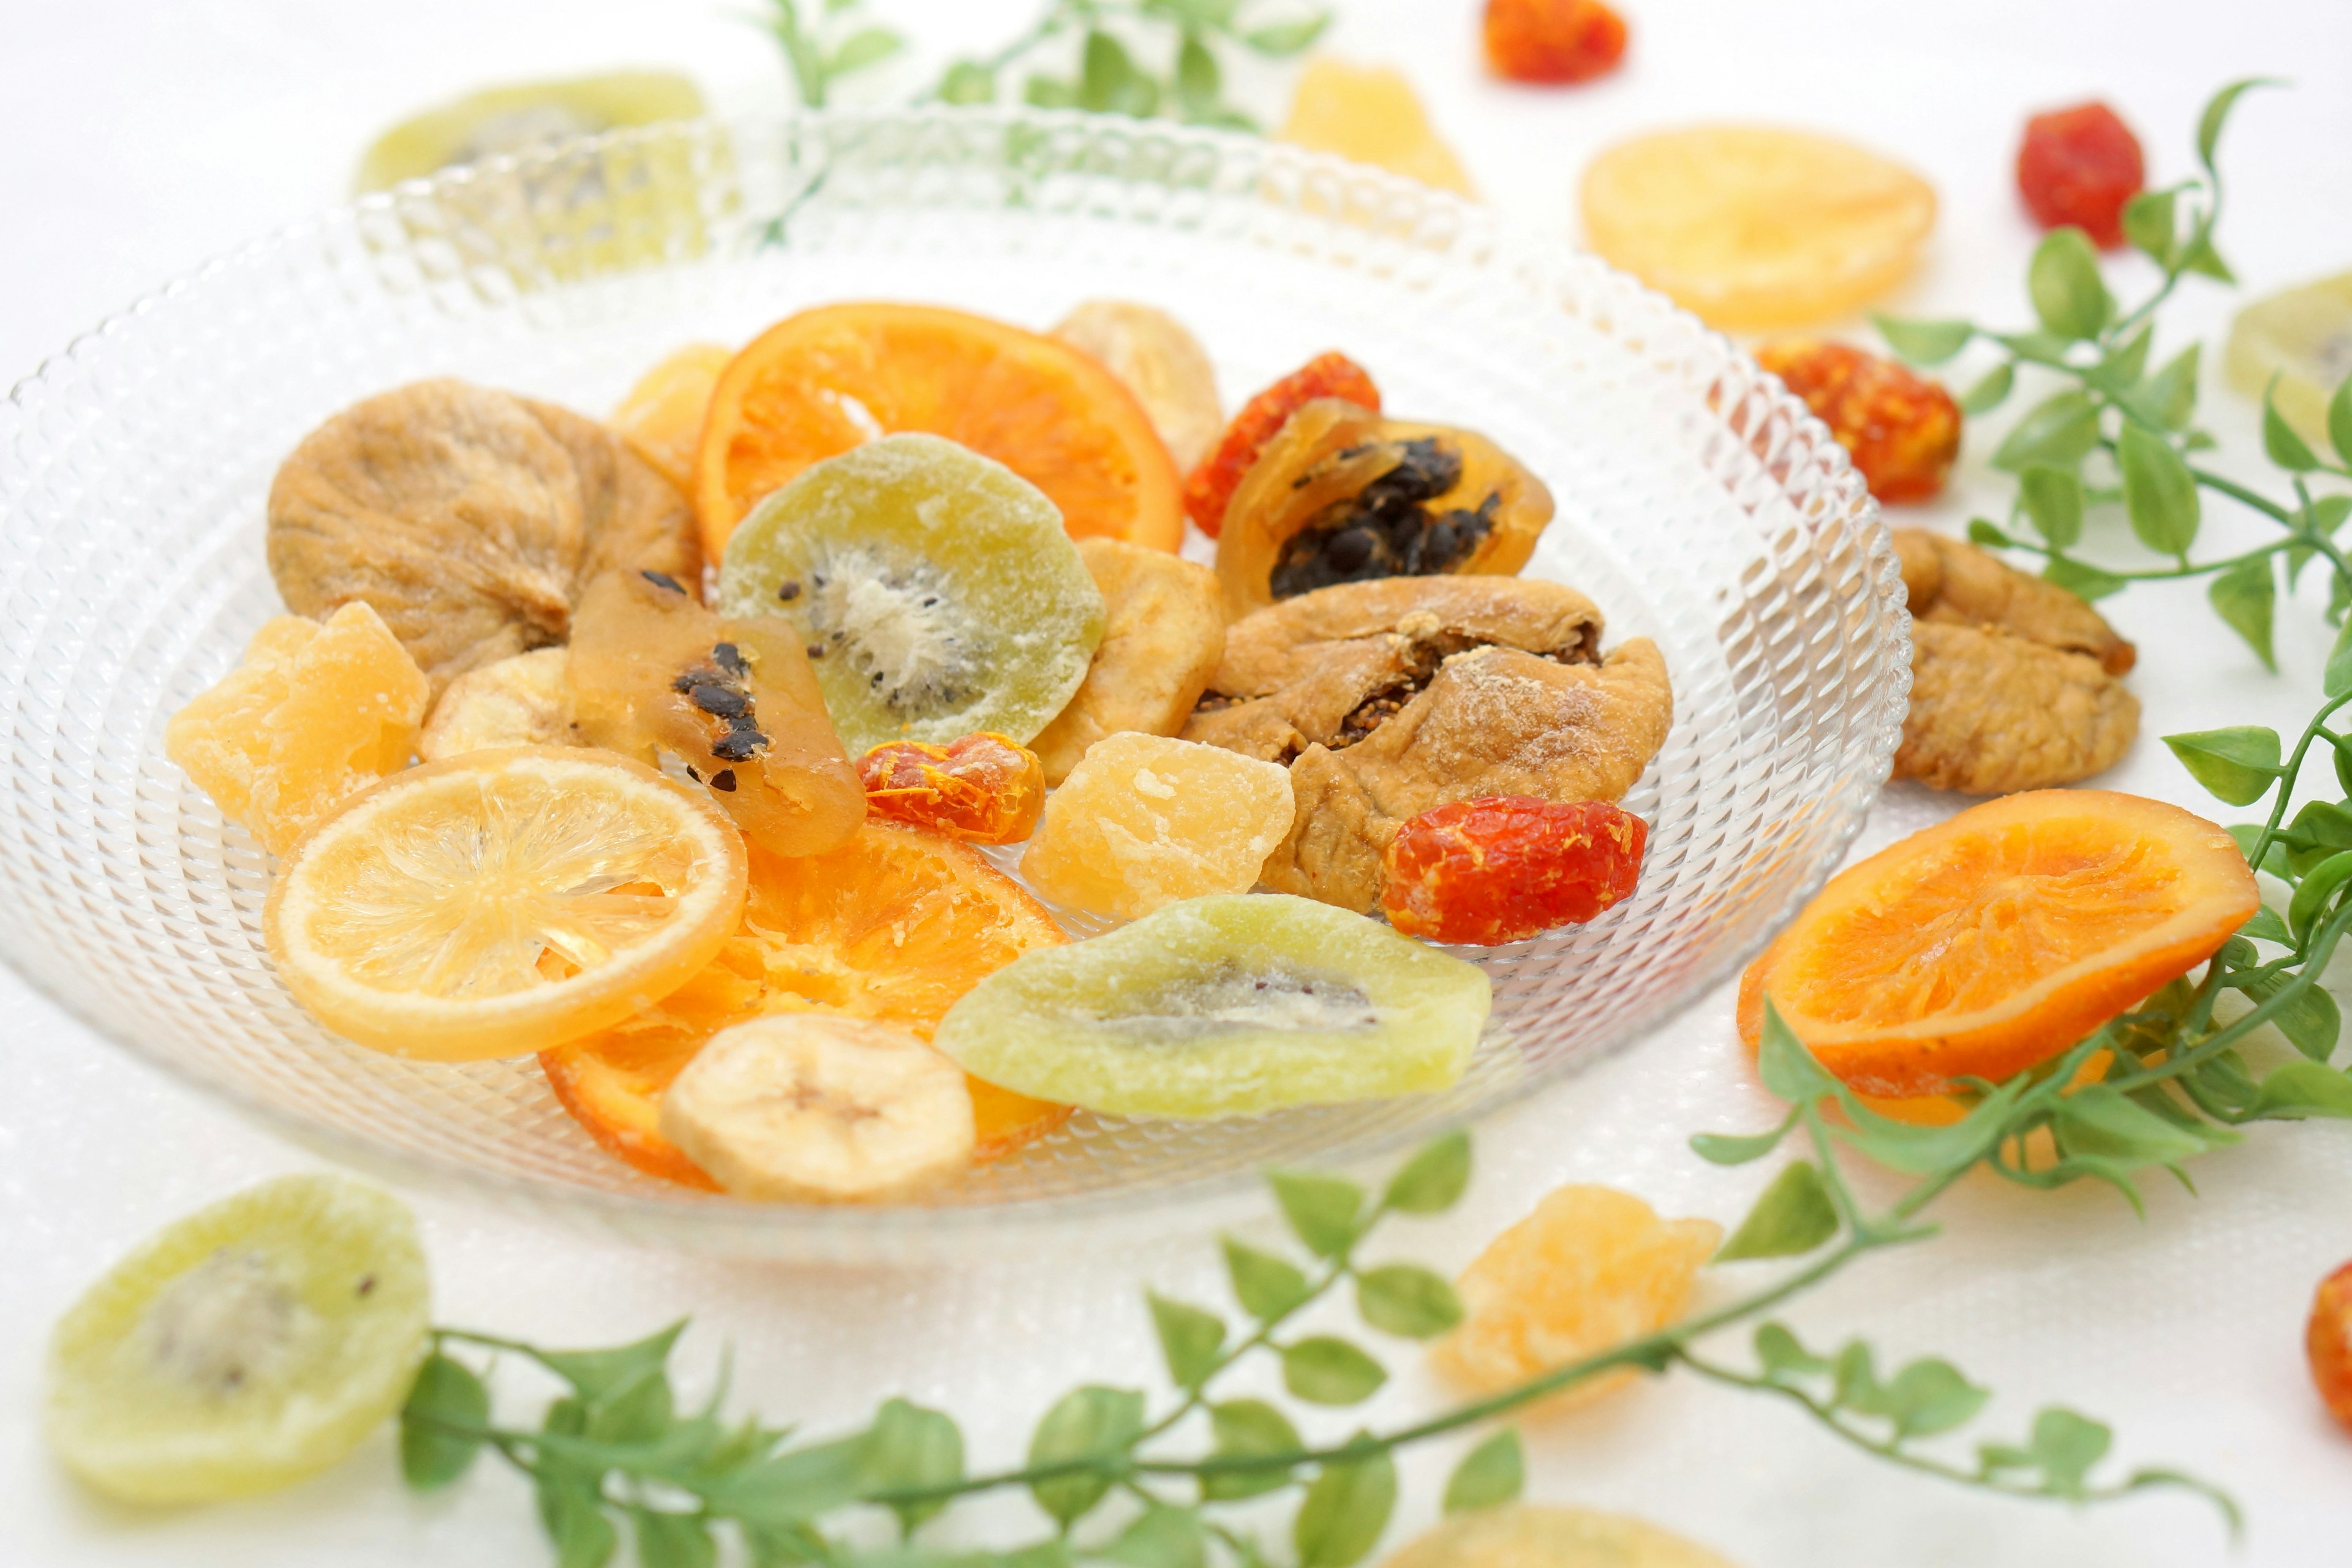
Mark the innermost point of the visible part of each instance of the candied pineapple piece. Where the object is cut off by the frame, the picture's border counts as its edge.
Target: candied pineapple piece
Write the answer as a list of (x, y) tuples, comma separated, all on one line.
[(315, 713), (1371, 114), (1144, 821)]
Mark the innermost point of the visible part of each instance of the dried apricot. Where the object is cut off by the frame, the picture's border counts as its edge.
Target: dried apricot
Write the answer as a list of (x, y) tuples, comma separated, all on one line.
[(1370, 114), (2080, 166), (1212, 485), (2327, 1340), (1902, 431), (1553, 40), (1504, 867), (983, 789)]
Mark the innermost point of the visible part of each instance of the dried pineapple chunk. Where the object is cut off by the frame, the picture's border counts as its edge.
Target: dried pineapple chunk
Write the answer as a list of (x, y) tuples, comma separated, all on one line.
[(1371, 114), (1144, 821)]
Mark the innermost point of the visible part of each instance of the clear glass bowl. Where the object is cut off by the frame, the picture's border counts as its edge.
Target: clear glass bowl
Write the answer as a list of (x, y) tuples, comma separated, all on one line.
[(1699, 505)]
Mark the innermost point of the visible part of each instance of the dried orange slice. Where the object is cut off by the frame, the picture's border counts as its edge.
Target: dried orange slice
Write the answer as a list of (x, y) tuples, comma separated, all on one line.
[(817, 384), (895, 925), (662, 415), (1996, 940), (502, 900)]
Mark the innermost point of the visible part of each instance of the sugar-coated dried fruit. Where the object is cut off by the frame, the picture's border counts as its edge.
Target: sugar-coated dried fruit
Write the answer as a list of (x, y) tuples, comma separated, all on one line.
[(662, 416), (1553, 41), (1535, 1535), (934, 588), (1163, 635), (1144, 821), (1341, 495), (2080, 166), (2327, 1343), (525, 701), (653, 672), (983, 789), (1210, 485), (1224, 1005), (1952, 582), (523, 116), (253, 1343), (1902, 430), (2296, 346), (315, 714), (1370, 114), (1590, 1268), (1504, 867), (1159, 361)]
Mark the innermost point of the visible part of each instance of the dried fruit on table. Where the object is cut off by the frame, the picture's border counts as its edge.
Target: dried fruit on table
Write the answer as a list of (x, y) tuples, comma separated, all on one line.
[(522, 117), (313, 715), (893, 926), (1160, 362), (503, 901), (2296, 345), (1210, 485), (1341, 495), (934, 588), (1386, 699), (525, 701), (1903, 431), (1590, 1270), (820, 382), (2327, 1343), (1553, 40), (1992, 941), (652, 672), (983, 789), (1145, 820), (1506, 868), (1757, 227), (662, 416), (1535, 1535), (812, 1107), (1370, 114), (2080, 166), (255, 1343), (2013, 679), (469, 518), (1163, 635), (1225, 1005)]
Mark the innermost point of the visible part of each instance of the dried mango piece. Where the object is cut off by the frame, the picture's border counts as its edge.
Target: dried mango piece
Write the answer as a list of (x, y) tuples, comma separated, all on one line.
[(1371, 114)]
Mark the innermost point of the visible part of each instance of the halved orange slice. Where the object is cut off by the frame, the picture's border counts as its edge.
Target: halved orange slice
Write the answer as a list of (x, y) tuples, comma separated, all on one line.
[(1994, 941), (662, 415), (895, 925), (815, 385), (502, 902)]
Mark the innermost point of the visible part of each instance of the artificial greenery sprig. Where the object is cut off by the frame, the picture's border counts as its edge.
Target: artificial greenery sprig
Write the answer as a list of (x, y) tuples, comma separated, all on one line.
[(833, 40)]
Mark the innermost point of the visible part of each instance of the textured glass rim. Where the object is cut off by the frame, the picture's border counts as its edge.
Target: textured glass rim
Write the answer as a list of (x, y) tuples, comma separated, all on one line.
[(682, 1217)]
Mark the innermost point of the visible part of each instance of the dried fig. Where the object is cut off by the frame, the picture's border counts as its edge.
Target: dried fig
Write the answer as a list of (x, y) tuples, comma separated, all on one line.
[(1163, 635), (1952, 582)]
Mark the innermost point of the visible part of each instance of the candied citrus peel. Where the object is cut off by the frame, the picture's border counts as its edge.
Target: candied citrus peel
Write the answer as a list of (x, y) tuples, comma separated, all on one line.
[(1507, 867), (983, 789)]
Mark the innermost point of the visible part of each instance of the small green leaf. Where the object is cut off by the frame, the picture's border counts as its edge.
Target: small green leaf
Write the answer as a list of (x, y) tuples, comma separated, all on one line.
[(1327, 1370), (2160, 495), (1322, 1210), (2067, 291), (2267, 926), (1286, 37), (2312, 1022), (2317, 891), (1857, 1381), (2306, 1088), (2066, 1445), (1265, 1285), (1924, 342), (793, 1486), (2340, 425), (595, 1374), (1109, 81), (1783, 1356), (1407, 1299), (909, 1446), (1345, 1510), (1188, 1339), (672, 1539), (1248, 1427), (2035, 348), (2058, 432), (576, 1523), (967, 81), (867, 46), (2054, 501), (1043, 91), (1986, 533), (2104, 1123), (1489, 1475), (1733, 1149), (445, 1391), (2201, 257), (2084, 581), (1434, 1179), (1794, 1215), (1930, 1396), (1160, 1537), (1788, 1068), (1083, 1424), (2217, 114), (2337, 679), (2274, 860), (2149, 223), (2168, 398), (2245, 597), (2237, 765), (2119, 371), (1991, 390), (2285, 448), (1198, 80)]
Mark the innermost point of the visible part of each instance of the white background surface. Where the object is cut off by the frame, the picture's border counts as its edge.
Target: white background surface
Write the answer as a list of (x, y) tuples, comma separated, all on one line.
[(138, 139)]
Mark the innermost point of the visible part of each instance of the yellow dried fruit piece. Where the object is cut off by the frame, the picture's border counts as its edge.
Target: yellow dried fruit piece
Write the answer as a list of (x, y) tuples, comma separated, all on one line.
[(1163, 636), (662, 415), (315, 714), (1371, 114), (1757, 227), (2303, 336), (1531, 1535), (520, 702), (1144, 821), (1160, 362), (1590, 1268), (523, 117)]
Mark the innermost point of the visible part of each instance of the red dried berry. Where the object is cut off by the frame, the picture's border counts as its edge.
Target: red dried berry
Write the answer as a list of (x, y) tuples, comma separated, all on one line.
[(1507, 867), (1903, 431), (983, 789), (2080, 166), (1553, 40), (1212, 485), (2328, 1342)]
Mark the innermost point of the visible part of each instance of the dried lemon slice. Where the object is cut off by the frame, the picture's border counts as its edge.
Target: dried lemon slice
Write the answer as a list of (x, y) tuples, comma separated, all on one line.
[(504, 901), (1756, 226)]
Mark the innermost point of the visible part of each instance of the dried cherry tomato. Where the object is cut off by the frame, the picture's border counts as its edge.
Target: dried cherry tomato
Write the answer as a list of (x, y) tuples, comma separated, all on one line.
[(2328, 1342), (983, 789), (1903, 431), (1553, 40), (1510, 866), (1213, 484), (2080, 166)]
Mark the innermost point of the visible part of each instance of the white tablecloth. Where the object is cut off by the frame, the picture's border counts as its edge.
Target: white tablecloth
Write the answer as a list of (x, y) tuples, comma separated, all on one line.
[(142, 138)]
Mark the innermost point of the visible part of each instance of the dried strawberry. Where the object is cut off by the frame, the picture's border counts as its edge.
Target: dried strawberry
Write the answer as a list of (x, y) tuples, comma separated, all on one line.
[(2080, 166), (1510, 866), (1213, 484), (1903, 431), (2328, 1342), (1553, 40), (983, 789)]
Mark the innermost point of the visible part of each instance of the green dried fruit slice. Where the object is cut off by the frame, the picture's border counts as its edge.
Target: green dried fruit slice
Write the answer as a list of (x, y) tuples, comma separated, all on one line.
[(518, 118)]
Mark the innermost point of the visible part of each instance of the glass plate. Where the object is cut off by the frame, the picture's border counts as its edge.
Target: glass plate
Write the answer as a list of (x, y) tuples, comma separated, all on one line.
[(1699, 505)]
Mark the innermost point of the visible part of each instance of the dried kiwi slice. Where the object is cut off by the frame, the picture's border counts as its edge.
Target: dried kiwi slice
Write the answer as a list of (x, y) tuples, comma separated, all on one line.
[(1224, 1005), (934, 588), (247, 1346), (524, 116)]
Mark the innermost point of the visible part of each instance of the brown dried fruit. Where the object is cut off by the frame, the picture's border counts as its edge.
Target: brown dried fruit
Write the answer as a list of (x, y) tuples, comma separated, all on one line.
[(520, 702), (1956, 583), (468, 519), (1160, 362), (1163, 635), (1391, 697)]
